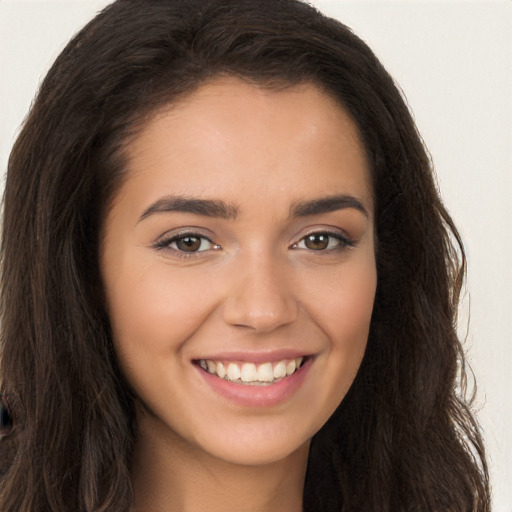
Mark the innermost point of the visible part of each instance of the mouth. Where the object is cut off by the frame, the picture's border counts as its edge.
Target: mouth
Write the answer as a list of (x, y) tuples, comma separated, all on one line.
[(252, 374)]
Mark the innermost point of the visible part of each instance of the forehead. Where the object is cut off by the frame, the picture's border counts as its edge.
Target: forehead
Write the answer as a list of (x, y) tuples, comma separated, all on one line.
[(229, 136)]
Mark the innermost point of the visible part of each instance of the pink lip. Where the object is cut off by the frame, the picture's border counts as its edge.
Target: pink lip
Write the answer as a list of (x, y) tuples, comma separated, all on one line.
[(256, 396)]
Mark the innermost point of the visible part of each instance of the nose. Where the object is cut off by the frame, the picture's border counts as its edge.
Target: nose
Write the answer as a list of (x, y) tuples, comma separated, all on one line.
[(260, 296)]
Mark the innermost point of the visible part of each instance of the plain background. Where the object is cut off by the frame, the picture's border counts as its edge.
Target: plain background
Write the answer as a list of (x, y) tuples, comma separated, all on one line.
[(453, 61)]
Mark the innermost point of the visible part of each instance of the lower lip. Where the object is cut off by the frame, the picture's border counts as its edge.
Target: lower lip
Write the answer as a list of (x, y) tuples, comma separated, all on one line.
[(257, 396)]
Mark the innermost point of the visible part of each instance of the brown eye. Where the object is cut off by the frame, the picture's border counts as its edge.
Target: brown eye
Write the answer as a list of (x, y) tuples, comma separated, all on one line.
[(188, 243), (323, 241), (317, 242)]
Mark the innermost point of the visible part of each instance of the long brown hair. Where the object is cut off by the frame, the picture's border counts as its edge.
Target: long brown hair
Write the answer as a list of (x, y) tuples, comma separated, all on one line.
[(403, 439)]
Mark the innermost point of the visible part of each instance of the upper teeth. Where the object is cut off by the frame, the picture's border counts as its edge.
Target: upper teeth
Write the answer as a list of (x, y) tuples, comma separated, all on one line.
[(250, 372)]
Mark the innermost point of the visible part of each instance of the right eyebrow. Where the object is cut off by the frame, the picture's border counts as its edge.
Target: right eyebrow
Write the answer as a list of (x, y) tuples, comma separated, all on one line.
[(206, 207)]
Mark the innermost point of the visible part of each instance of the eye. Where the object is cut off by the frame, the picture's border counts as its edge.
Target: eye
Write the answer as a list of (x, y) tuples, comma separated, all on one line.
[(323, 242), (187, 243)]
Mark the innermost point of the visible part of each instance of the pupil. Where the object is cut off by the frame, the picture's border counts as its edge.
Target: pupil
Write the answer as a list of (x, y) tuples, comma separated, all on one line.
[(317, 242), (188, 243)]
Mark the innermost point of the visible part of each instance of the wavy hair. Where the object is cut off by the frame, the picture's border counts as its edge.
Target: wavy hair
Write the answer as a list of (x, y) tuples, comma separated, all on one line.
[(403, 439)]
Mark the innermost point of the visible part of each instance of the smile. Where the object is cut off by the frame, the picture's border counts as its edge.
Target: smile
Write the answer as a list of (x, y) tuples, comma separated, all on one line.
[(250, 373)]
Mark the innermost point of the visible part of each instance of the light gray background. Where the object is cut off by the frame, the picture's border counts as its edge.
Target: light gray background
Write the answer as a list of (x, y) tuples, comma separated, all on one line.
[(453, 60)]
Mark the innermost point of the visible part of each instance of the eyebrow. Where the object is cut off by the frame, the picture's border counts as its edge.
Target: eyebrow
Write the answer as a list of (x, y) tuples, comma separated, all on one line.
[(326, 205), (206, 207), (220, 209)]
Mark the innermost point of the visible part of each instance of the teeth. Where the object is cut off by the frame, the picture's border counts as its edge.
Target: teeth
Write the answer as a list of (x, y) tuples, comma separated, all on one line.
[(250, 373), (265, 372), (279, 370), (221, 370), (233, 371)]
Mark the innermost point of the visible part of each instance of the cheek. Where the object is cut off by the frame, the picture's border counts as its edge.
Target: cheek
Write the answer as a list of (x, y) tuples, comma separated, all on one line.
[(351, 311), (343, 306), (351, 322), (155, 309), (343, 311)]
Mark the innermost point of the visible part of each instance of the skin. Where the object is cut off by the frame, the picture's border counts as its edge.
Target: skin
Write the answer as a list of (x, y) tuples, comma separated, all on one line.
[(255, 286)]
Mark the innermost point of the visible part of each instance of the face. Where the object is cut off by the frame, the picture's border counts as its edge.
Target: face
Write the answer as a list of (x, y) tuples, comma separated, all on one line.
[(239, 270)]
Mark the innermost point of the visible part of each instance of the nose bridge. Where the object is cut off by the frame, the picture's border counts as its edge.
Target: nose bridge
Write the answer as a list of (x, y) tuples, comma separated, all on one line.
[(261, 295)]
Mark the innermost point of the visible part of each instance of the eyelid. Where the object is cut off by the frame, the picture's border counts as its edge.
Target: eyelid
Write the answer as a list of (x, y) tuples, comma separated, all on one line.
[(345, 240), (163, 242)]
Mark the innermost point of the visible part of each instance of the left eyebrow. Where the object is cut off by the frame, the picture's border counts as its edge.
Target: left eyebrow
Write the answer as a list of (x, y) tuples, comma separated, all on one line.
[(326, 205)]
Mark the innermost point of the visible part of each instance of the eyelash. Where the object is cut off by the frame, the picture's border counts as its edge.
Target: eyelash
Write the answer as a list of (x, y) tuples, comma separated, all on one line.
[(344, 242), (165, 244)]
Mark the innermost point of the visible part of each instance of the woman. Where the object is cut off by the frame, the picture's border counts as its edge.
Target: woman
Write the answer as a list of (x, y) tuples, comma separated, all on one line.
[(226, 268)]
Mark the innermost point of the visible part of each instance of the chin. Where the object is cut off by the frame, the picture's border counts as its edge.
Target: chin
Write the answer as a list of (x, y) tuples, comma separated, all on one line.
[(262, 453), (256, 441)]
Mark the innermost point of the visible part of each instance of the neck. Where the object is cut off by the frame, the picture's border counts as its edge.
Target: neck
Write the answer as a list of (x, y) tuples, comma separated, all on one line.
[(168, 475)]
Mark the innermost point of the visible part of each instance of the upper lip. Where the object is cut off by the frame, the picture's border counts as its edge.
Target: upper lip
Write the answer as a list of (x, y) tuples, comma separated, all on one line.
[(255, 357)]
